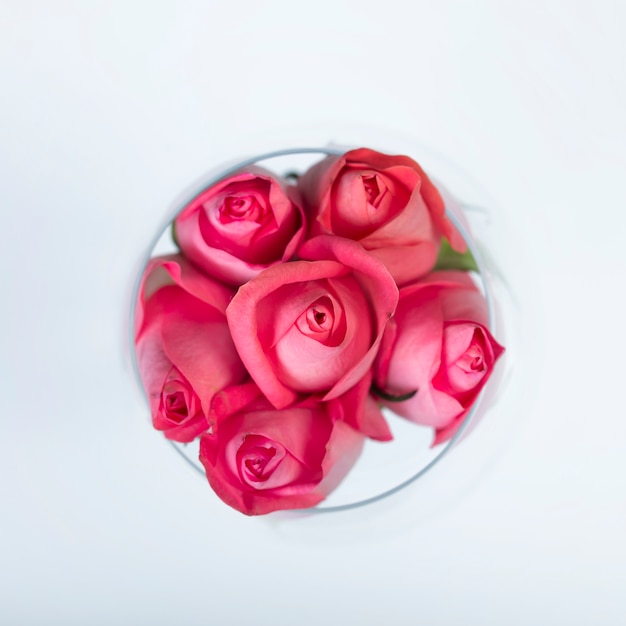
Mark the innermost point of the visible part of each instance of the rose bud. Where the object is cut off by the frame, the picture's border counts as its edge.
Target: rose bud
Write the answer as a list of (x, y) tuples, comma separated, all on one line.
[(437, 352), (241, 225), (386, 203), (261, 459), (313, 325), (183, 346)]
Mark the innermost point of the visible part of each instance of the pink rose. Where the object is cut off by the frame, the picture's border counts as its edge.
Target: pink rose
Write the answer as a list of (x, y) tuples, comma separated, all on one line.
[(260, 459), (438, 348), (386, 203), (183, 346), (313, 325), (241, 225)]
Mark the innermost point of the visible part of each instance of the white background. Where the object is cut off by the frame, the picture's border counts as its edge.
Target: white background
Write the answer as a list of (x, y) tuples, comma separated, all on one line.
[(110, 109)]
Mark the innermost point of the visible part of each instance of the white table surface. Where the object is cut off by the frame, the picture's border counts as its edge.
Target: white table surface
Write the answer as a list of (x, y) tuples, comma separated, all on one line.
[(109, 110)]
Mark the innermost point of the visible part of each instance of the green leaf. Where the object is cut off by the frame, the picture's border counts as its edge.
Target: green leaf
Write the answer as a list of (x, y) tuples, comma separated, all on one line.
[(450, 259), (173, 233), (292, 176)]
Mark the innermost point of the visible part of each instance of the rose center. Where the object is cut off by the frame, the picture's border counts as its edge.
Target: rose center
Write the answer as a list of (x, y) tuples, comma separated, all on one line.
[(176, 406), (477, 363), (372, 189), (256, 465), (239, 208), (473, 360), (258, 458), (318, 320)]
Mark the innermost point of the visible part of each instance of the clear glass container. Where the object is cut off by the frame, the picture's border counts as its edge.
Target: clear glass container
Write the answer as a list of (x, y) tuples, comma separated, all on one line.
[(391, 468)]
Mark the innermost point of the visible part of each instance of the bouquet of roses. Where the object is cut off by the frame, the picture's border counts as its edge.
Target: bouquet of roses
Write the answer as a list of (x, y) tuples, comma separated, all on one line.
[(296, 311)]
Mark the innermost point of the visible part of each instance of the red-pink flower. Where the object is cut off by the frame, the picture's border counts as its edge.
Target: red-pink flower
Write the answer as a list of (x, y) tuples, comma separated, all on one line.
[(241, 225), (439, 349), (261, 459), (313, 325), (386, 203), (183, 346)]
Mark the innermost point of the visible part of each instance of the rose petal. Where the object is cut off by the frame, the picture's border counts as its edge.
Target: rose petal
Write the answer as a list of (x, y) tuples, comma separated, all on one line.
[(358, 409)]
